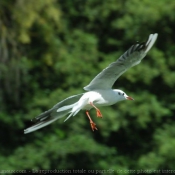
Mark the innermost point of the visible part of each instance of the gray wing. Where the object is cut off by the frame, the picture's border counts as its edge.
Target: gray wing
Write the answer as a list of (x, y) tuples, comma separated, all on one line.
[(52, 114), (132, 57), (53, 111)]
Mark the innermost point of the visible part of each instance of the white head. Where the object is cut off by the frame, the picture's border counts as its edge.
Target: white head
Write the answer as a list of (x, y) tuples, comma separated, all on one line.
[(122, 95)]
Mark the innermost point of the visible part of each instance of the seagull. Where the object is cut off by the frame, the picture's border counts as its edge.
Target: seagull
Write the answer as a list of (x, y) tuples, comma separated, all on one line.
[(99, 90)]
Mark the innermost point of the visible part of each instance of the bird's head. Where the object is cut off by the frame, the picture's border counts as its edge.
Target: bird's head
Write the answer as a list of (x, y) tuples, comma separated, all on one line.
[(122, 95)]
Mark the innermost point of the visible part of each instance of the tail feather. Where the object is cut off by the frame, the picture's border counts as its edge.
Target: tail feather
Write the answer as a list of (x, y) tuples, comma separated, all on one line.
[(65, 107), (72, 114), (78, 106), (53, 114)]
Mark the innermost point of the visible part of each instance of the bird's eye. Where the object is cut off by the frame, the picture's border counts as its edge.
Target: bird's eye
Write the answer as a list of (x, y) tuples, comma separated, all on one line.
[(123, 93), (118, 93)]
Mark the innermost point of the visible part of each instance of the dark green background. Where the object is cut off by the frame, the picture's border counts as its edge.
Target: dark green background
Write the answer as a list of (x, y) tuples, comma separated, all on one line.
[(51, 49)]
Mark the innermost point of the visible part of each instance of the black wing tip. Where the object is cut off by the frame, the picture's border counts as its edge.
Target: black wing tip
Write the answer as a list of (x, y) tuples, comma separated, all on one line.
[(136, 47), (40, 119), (145, 46)]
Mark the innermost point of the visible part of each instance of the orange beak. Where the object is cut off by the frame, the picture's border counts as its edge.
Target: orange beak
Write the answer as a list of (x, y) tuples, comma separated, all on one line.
[(129, 98)]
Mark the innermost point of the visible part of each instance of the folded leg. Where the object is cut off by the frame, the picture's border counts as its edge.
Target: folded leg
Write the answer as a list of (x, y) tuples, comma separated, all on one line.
[(99, 114)]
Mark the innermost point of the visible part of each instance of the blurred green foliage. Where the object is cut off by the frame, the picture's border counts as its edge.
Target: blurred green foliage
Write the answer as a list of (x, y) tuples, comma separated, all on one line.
[(51, 49)]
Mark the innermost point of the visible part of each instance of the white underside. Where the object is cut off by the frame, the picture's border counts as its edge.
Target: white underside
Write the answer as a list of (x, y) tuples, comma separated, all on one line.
[(98, 98)]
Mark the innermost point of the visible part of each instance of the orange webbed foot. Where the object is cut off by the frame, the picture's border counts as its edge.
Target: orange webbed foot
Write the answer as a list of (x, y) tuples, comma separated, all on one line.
[(99, 114), (93, 126)]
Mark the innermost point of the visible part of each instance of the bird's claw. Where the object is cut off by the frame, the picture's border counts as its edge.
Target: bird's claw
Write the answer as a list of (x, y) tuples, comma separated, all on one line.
[(93, 126), (99, 114)]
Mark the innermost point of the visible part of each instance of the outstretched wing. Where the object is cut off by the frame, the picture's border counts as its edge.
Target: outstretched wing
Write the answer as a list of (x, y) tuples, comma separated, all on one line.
[(53, 114), (132, 57)]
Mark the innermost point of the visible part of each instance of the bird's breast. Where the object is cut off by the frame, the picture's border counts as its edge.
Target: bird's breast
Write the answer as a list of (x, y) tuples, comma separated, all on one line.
[(103, 97)]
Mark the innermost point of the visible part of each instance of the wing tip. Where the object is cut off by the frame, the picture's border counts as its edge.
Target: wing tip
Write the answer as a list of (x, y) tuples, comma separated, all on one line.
[(86, 88), (145, 47), (150, 42)]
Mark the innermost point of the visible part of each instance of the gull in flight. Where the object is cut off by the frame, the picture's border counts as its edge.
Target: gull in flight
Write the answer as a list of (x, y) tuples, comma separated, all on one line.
[(100, 92)]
